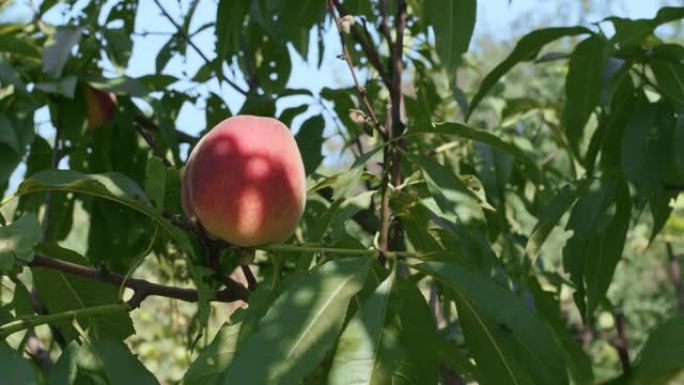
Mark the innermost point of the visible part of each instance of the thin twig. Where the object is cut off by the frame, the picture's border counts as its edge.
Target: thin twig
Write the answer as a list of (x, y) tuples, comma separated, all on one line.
[(368, 48), (621, 342), (149, 139), (676, 275), (151, 125), (347, 57), (142, 288), (204, 57)]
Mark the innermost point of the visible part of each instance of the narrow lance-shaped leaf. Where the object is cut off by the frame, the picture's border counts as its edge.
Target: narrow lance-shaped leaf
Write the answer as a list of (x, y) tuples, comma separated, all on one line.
[(599, 221), (369, 352), (583, 87), (527, 49), (517, 341), (492, 347), (670, 77), (446, 187), (549, 218), (463, 131), (101, 362), (453, 22), (292, 338), (357, 356), (647, 147), (628, 31)]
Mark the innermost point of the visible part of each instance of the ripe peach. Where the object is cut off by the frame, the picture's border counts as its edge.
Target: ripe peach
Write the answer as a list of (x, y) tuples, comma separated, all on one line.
[(100, 106), (245, 181)]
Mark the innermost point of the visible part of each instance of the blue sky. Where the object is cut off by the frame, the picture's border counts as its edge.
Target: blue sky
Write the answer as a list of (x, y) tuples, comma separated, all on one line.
[(500, 20)]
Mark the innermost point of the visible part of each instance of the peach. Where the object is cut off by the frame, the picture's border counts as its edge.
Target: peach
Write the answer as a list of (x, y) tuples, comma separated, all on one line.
[(100, 106), (244, 181)]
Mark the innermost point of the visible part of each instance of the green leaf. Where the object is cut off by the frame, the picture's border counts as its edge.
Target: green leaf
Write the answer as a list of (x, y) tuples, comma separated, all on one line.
[(670, 77), (583, 87), (310, 143), (62, 292), (300, 327), (549, 218), (548, 305), (215, 358), (512, 344), (492, 348), (357, 356), (216, 111), (463, 131), (119, 47), (155, 181), (17, 241), (527, 49), (629, 32), (65, 86), (14, 368), (456, 360), (121, 85), (58, 49), (394, 315), (18, 45), (64, 371), (230, 16), (165, 54), (647, 147), (662, 358), (17, 133), (446, 187), (453, 22), (108, 362), (599, 221), (219, 354)]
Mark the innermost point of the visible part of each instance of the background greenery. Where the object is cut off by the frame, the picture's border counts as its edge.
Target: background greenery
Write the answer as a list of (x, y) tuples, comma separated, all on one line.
[(540, 225)]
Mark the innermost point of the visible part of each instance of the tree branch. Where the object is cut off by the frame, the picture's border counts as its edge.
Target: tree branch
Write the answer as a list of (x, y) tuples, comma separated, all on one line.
[(347, 57), (142, 288), (621, 342), (151, 125), (676, 275), (204, 57), (391, 233)]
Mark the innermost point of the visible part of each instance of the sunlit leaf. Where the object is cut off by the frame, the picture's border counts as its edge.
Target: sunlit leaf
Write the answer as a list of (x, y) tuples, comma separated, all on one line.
[(300, 327)]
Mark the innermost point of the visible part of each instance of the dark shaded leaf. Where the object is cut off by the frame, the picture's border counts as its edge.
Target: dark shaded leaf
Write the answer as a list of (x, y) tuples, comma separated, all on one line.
[(310, 143), (549, 218), (662, 357), (511, 343), (463, 131), (599, 221), (583, 87), (14, 368)]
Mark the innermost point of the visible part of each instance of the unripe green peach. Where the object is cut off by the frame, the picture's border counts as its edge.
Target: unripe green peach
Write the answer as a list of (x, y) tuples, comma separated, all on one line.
[(244, 181)]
